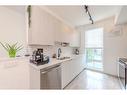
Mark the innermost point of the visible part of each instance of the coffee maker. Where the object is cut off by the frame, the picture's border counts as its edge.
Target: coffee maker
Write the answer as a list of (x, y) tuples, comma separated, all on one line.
[(39, 58)]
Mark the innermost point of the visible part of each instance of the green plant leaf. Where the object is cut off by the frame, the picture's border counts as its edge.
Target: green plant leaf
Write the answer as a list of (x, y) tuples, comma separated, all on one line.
[(12, 49), (6, 48), (19, 48), (14, 45)]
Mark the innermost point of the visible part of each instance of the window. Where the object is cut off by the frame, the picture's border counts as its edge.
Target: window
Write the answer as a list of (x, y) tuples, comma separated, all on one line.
[(94, 48)]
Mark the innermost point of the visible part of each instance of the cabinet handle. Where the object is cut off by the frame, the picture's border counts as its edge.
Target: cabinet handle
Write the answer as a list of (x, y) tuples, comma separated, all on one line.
[(46, 71)]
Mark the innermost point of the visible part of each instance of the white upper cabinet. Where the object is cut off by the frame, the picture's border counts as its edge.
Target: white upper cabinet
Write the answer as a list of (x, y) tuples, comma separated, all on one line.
[(57, 30), (62, 32), (75, 39), (41, 31), (67, 34), (45, 29)]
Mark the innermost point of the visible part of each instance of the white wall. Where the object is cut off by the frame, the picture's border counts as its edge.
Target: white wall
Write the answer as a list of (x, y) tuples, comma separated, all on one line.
[(12, 28), (114, 46)]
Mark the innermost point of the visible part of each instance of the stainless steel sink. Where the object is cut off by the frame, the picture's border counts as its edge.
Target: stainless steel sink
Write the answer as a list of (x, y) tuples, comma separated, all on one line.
[(63, 58)]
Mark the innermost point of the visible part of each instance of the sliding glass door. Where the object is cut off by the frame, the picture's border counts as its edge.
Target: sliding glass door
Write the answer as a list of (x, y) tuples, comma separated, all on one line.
[(94, 58), (94, 49)]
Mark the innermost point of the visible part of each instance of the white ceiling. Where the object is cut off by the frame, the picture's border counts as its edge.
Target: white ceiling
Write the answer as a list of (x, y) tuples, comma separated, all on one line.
[(76, 16), (17, 8), (122, 17)]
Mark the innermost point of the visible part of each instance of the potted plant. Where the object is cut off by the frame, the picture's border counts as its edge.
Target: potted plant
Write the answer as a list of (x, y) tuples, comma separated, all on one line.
[(12, 49)]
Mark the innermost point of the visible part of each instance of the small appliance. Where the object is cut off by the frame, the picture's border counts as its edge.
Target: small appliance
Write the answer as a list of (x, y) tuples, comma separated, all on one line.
[(39, 58), (76, 51)]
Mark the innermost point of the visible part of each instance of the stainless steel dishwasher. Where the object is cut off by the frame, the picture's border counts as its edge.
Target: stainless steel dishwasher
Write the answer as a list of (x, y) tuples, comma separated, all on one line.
[(51, 77)]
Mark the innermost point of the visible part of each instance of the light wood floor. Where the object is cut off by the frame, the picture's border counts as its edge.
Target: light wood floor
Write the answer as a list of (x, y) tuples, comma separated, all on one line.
[(94, 80)]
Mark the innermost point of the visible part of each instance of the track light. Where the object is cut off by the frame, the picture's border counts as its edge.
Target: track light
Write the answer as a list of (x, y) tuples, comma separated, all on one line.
[(86, 7), (87, 11), (90, 19)]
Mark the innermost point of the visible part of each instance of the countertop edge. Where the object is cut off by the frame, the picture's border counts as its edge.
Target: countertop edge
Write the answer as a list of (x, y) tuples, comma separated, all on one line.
[(53, 61)]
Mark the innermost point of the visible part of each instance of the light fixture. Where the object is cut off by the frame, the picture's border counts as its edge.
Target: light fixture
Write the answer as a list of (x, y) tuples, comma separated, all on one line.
[(86, 7), (87, 11)]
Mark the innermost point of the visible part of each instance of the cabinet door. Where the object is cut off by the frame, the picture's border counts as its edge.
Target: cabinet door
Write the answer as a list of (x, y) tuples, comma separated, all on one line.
[(57, 29), (65, 33), (67, 73), (70, 69), (75, 39), (79, 64), (62, 33), (14, 75), (42, 29), (34, 29)]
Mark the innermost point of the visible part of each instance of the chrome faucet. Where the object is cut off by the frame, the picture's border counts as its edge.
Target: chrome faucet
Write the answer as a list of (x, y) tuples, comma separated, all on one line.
[(59, 52)]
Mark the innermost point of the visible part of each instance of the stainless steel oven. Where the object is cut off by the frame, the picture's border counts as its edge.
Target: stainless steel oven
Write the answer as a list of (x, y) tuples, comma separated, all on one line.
[(122, 72)]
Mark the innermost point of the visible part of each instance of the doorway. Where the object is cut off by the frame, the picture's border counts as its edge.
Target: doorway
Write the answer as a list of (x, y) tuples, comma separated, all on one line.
[(94, 49)]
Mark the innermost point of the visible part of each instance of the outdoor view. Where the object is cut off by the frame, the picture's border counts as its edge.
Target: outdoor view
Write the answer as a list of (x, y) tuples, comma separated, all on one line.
[(94, 58), (94, 48)]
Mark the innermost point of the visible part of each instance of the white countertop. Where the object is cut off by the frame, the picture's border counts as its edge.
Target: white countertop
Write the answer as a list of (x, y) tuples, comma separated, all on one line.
[(13, 59), (53, 61)]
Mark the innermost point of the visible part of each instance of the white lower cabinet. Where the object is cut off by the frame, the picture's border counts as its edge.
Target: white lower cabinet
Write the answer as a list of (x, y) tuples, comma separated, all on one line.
[(71, 68), (14, 75), (66, 72), (35, 81)]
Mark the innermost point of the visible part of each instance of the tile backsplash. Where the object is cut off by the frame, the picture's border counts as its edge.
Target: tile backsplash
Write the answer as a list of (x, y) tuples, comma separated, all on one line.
[(50, 50)]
